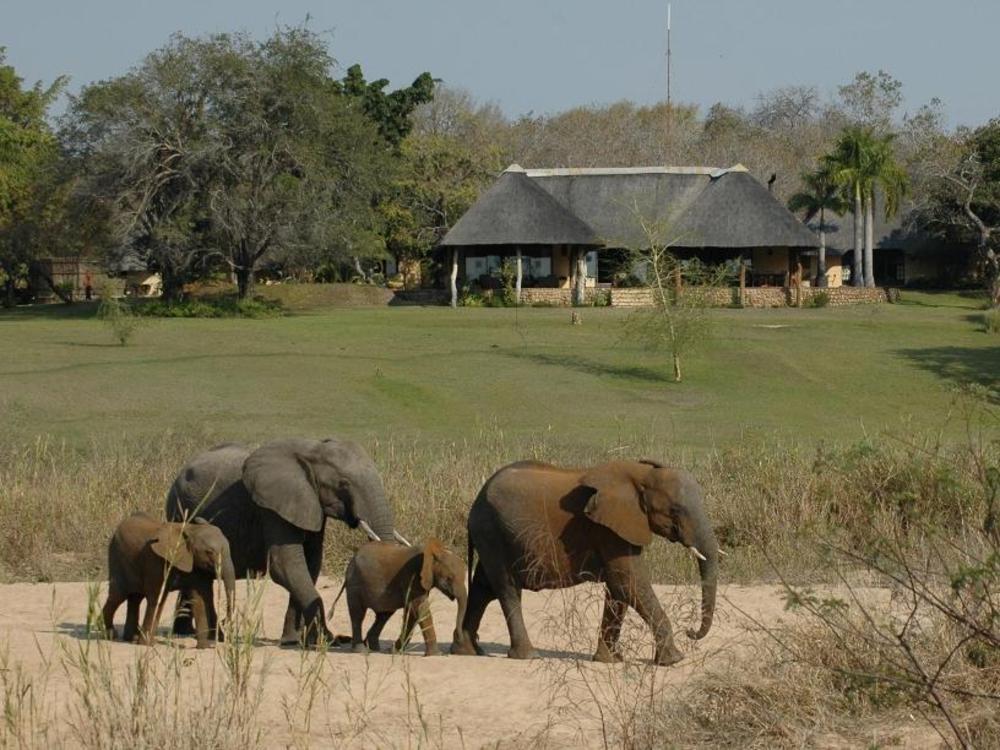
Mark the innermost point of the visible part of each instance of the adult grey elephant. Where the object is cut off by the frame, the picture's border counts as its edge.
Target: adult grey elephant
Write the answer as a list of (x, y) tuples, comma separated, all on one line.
[(272, 504), (537, 526)]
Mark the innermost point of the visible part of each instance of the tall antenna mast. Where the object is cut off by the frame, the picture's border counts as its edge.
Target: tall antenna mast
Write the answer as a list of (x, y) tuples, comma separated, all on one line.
[(668, 54)]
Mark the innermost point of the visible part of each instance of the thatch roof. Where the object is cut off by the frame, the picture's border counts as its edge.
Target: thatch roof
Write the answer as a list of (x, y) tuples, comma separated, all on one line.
[(689, 207), (735, 211), (516, 211)]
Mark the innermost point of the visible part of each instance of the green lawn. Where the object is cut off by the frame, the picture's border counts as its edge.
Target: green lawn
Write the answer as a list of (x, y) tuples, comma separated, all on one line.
[(808, 375)]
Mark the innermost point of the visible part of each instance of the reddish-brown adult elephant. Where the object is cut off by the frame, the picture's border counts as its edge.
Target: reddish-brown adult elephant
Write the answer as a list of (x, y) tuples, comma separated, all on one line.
[(537, 526)]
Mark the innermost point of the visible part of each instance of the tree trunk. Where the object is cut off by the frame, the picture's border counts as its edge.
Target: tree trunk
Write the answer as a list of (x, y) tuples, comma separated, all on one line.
[(171, 285), (821, 280), (991, 269), (454, 277), (857, 274), (244, 283), (869, 240), (517, 281), (9, 299), (67, 298)]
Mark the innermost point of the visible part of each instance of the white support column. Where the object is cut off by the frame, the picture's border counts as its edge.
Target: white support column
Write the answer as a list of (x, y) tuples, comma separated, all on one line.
[(454, 277), (520, 275)]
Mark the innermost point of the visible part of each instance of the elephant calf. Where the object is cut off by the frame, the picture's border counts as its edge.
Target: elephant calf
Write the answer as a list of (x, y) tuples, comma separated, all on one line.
[(385, 576), (149, 558)]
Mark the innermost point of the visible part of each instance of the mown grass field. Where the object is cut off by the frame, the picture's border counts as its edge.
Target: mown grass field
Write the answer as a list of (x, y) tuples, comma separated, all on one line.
[(829, 375)]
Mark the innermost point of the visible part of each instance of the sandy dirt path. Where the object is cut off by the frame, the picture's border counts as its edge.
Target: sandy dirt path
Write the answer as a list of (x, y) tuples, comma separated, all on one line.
[(380, 700)]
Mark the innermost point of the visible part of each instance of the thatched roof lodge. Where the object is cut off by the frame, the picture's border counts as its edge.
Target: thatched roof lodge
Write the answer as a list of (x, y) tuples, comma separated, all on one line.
[(569, 227)]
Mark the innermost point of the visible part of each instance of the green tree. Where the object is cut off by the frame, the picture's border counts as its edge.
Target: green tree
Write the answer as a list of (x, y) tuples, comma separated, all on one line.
[(438, 179), (864, 165), (847, 165), (884, 177), (392, 112), (820, 194), (968, 199), (29, 160), (227, 151), (298, 166), (145, 150)]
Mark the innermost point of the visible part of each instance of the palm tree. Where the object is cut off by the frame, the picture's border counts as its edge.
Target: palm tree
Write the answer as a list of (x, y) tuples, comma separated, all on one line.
[(848, 166), (821, 194), (862, 162), (884, 175)]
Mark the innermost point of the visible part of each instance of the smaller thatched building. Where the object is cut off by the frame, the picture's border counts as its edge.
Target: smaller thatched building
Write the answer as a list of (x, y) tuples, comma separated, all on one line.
[(571, 227)]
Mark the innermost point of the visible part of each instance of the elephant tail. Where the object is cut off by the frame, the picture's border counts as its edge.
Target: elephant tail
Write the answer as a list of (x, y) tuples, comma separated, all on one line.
[(340, 593)]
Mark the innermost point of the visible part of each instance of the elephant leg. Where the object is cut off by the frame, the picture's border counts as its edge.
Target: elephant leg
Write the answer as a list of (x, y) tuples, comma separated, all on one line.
[(115, 599), (633, 586), (356, 609), (422, 612), (611, 628), (132, 618), (520, 643), (182, 614), (154, 607), (291, 630), (375, 631), (480, 595), (289, 569), (410, 617)]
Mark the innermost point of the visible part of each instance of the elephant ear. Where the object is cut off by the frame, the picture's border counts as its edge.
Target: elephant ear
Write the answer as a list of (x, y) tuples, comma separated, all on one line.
[(432, 550), (279, 478), (173, 546), (616, 503)]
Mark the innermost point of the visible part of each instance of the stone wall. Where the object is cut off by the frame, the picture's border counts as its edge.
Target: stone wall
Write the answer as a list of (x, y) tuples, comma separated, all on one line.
[(756, 296), (764, 296)]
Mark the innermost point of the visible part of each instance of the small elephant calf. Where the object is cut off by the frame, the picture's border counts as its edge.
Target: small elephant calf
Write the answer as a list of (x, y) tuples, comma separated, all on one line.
[(385, 576), (149, 558)]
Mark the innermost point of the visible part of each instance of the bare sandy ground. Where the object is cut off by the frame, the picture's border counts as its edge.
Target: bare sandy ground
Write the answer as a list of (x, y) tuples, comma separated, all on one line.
[(381, 700)]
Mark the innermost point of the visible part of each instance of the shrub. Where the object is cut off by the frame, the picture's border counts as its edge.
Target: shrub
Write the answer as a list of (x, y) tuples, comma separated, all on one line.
[(118, 316), (212, 307), (991, 321), (819, 299)]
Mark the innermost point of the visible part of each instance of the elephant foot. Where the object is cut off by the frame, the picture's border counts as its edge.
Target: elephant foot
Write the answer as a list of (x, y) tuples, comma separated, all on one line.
[(183, 626), (204, 644), (605, 655), (359, 648), (464, 648), (668, 657), (522, 652), (340, 640), (374, 646), (432, 651)]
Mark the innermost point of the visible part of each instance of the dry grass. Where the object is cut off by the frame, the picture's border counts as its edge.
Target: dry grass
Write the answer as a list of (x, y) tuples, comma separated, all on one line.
[(59, 505)]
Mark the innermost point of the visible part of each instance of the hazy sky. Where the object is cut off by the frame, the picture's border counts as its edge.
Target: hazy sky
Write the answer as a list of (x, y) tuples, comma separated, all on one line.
[(543, 56)]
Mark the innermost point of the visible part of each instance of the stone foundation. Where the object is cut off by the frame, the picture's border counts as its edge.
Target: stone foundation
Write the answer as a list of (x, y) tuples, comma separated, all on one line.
[(757, 296), (763, 296)]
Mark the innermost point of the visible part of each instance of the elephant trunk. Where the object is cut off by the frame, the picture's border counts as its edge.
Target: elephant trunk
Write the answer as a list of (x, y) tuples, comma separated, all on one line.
[(377, 513), (705, 542)]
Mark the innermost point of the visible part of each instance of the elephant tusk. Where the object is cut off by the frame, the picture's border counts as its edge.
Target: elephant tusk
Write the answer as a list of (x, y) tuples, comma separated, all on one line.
[(400, 538), (723, 552), (369, 531), (696, 553)]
